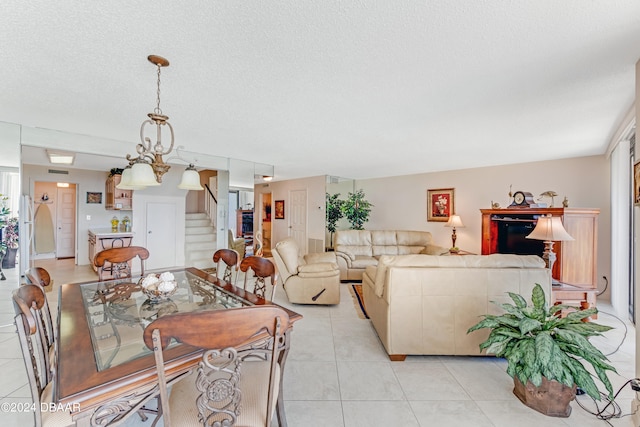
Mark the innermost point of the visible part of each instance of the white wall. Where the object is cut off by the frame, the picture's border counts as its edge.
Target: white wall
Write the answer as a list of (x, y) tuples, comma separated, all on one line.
[(85, 181), (315, 187), (94, 181)]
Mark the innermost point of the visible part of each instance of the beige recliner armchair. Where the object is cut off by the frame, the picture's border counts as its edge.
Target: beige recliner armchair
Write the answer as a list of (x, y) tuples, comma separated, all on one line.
[(237, 244), (313, 279)]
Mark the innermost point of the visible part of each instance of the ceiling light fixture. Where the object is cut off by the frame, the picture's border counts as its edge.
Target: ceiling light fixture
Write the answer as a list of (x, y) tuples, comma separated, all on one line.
[(60, 157), (148, 167)]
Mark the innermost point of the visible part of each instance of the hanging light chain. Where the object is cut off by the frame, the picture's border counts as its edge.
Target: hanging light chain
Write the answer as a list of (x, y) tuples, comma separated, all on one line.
[(157, 110)]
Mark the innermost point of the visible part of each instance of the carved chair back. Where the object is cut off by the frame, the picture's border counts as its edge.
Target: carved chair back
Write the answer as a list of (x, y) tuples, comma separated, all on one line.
[(229, 385), (257, 270), (40, 277), (230, 259), (116, 261), (27, 300)]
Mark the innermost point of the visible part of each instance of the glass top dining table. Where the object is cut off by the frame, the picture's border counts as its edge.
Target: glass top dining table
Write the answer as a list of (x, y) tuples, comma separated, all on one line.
[(102, 361)]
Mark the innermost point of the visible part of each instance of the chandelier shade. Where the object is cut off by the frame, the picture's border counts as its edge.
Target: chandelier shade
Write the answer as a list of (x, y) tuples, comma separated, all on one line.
[(142, 175), (190, 179), (126, 183)]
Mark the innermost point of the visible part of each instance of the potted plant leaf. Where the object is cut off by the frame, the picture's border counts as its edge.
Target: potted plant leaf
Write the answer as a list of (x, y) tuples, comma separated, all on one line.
[(546, 353), (356, 209)]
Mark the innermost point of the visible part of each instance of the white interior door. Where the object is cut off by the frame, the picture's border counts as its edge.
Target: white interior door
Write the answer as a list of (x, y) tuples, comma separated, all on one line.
[(161, 235), (298, 218), (66, 223)]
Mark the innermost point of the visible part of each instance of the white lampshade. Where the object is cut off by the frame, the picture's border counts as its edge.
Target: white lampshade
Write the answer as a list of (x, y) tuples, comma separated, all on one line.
[(454, 221), (125, 181), (549, 229), (190, 179), (142, 175)]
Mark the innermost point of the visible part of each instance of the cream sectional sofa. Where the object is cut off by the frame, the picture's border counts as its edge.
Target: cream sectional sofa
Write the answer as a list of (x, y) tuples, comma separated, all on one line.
[(358, 249), (424, 305)]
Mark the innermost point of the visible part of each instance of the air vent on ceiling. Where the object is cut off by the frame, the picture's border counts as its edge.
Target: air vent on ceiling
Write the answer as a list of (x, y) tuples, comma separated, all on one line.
[(59, 172)]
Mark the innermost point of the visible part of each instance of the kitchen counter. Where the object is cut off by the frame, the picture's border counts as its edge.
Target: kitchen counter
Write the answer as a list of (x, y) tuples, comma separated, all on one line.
[(103, 238), (107, 233)]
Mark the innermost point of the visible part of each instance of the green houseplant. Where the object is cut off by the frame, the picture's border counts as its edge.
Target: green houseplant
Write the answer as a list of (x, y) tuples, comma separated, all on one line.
[(541, 347), (334, 213), (356, 209)]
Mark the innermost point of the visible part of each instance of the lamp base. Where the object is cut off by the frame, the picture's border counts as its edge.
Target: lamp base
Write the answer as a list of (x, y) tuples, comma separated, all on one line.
[(549, 257)]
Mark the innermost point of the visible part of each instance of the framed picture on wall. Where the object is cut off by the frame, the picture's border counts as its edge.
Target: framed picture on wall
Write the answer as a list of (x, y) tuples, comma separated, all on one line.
[(636, 184), (440, 204), (94, 197), (279, 209)]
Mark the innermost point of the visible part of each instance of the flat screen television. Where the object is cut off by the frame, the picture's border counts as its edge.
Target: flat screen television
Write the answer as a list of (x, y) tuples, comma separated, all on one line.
[(512, 238)]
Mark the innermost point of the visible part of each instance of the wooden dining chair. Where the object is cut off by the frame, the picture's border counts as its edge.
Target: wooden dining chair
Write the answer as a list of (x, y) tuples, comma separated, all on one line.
[(257, 269), (229, 386), (35, 354), (116, 261), (40, 277), (230, 259)]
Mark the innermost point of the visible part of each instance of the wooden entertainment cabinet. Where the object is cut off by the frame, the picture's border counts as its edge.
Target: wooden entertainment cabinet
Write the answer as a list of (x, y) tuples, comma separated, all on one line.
[(576, 262)]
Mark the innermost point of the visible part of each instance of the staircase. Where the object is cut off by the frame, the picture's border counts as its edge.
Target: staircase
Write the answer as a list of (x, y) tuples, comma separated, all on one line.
[(200, 241)]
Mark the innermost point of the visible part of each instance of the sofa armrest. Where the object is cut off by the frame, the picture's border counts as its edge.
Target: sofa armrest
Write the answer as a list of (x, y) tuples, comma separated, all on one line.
[(345, 257)]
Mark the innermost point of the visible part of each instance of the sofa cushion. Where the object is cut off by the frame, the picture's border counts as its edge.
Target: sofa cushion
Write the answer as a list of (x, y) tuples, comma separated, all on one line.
[(408, 250), (379, 250), (413, 238), (363, 262), (354, 238), (383, 238)]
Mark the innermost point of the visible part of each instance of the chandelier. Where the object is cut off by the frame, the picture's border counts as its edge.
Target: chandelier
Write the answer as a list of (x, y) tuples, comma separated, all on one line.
[(147, 168)]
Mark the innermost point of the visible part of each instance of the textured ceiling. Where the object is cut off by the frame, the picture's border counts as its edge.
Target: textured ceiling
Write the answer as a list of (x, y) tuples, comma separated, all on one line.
[(349, 88)]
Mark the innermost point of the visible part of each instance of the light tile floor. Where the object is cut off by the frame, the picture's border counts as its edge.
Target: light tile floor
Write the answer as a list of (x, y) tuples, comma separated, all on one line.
[(338, 374)]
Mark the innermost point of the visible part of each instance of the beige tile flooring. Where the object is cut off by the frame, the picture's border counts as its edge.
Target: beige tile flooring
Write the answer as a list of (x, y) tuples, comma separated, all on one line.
[(338, 374)]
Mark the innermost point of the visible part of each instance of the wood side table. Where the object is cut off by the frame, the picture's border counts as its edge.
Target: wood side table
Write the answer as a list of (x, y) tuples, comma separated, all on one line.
[(574, 296)]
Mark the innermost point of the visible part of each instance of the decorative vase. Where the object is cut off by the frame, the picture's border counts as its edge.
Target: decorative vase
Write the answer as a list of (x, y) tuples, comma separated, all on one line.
[(9, 259), (551, 398)]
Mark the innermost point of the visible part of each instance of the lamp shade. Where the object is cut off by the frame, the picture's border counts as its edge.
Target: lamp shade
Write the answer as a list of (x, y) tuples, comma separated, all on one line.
[(125, 181), (190, 179), (142, 175), (454, 221), (549, 229)]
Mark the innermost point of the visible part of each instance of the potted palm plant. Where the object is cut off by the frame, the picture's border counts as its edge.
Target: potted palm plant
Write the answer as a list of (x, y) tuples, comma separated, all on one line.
[(333, 213), (546, 353), (356, 209)]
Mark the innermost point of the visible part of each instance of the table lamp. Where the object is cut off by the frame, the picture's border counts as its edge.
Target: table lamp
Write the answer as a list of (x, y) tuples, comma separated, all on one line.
[(549, 229), (454, 221)]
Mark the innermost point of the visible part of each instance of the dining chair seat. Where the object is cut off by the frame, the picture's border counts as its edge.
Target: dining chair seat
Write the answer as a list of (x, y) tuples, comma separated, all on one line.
[(53, 418)]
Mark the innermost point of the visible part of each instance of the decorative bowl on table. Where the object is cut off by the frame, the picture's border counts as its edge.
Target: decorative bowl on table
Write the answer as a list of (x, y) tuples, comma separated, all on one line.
[(159, 286)]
